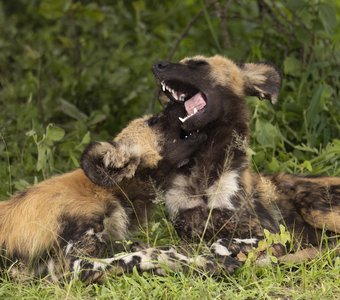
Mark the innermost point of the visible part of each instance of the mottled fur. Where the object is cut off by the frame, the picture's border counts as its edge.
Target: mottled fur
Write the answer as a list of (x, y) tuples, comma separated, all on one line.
[(215, 196), (56, 227), (64, 225)]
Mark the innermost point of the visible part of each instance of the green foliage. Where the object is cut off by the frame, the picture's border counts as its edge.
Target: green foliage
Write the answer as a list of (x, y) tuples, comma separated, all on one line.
[(76, 70), (266, 245), (84, 66)]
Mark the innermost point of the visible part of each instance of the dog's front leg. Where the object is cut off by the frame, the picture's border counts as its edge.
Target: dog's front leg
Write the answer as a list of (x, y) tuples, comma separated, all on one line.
[(187, 209)]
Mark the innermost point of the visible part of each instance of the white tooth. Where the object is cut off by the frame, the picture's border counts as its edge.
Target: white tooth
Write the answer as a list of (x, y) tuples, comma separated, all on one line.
[(182, 97), (195, 110), (174, 95), (163, 86), (184, 119)]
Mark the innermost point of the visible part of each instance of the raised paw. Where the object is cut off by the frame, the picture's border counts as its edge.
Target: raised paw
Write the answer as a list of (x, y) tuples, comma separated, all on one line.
[(108, 163)]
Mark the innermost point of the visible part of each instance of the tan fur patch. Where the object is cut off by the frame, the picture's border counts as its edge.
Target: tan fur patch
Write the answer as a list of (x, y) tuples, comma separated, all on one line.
[(267, 189), (300, 256), (30, 225), (324, 181), (118, 221), (141, 141), (223, 72), (255, 73), (320, 219), (247, 181)]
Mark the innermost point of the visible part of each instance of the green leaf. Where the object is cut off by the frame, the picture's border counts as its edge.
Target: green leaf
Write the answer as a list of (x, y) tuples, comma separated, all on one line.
[(327, 14), (292, 66), (74, 159), (43, 152), (85, 140), (52, 9), (97, 118), (54, 133), (266, 134), (315, 103), (138, 5), (267, 234), (307, 165), (305, 148), (282, 228), (72, 111), (273, 259), (296, 5), (274, 165)]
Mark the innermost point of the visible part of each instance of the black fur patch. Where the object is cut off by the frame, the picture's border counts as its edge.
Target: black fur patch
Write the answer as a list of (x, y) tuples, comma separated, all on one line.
[(73, 228)]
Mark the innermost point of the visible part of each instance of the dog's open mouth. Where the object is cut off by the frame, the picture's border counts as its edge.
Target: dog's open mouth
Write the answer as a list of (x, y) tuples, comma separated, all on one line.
[(194, 100)]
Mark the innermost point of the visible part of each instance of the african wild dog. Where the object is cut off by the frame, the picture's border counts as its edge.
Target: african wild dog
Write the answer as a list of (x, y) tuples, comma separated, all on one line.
[(51, 228), (217, 184)]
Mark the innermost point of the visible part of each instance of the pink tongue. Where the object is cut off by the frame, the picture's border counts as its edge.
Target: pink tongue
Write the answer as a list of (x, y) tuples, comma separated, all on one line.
[(196, 101)]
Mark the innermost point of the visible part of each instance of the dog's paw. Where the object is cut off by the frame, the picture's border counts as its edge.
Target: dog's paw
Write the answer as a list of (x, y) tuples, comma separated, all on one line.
[(108, 163)]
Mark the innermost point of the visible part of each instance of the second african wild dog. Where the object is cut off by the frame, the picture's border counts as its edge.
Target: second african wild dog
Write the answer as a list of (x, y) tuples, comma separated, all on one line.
[(216, 195), (64, 225)]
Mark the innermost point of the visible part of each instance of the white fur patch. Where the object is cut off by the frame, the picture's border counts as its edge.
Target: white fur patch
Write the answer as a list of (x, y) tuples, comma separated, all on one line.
[(116, 225), (177, 198), (246, 241), (128, 258), (50, 268), (147, 263), (221, 192), (102, 264), (220, 249), (90, 232), (76, 267), (199, 261), (68, 248)]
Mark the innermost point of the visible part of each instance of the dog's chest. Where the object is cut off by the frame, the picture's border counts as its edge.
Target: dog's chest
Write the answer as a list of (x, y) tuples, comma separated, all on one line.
[(219, 190)]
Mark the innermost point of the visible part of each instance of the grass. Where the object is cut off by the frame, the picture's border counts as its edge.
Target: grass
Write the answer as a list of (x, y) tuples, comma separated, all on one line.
[(318, 279), (48, 76)]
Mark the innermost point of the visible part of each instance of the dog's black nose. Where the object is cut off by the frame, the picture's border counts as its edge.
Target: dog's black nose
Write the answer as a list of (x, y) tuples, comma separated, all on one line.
[(160, 66)]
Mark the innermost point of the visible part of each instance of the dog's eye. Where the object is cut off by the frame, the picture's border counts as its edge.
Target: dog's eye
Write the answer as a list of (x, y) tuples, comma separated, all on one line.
[(200, 63), (196, 63)]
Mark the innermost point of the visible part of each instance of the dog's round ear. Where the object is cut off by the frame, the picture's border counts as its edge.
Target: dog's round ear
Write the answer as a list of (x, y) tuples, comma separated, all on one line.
[(262, 80)]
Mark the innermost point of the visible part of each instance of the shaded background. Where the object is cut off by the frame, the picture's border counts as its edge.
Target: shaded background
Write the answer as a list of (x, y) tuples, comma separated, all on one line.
[(75, 71)]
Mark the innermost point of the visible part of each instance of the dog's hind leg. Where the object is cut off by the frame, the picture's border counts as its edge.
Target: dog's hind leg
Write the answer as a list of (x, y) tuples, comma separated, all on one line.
[(316, 199), (320, 206)]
